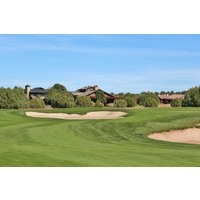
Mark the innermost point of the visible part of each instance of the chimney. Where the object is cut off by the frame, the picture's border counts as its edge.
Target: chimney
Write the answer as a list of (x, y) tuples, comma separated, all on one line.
[(27, 90), (96, 87)]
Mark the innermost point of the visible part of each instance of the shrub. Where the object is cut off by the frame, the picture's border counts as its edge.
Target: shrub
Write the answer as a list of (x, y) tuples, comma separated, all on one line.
[(99, 104), (148, 99), (62, 99), (120, 103), (37, 102), (111, 105), (83, 101), (100, 96), (25, 103), (192, 98), (130, 102), (176, 102), (9, 99)]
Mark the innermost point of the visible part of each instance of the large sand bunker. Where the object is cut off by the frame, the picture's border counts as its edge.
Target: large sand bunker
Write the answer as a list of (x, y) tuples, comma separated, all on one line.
[(190, 136), (90, 115)]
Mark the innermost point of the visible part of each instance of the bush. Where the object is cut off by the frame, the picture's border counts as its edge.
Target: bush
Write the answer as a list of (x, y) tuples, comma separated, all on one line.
[(83, 101), (25, 103), (176, 102), (111, 105), (120, 103), (130, 102), (99, 104), (192, 98), (62, 99), (148, 99), (9, 99), (100, 96), (58, 97), (37, 102)]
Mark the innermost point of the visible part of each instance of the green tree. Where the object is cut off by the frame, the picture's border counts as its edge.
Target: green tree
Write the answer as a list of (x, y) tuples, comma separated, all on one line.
[(24, 101), (63, 99), (131, 102), (99, 104), (148, 99), (58, 97), (83, 101), (121, 94), (59, 87), (120, 103), (100, 96), (9, 99), (192, 97), (176, 102), (37, 102)]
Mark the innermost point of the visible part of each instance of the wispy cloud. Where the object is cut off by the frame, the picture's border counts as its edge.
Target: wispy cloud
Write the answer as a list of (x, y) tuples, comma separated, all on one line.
[(58, 43)]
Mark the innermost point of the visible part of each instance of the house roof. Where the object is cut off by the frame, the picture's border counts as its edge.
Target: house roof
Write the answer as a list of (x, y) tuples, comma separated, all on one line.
[(89, 90), (38, 90), (170, 97)]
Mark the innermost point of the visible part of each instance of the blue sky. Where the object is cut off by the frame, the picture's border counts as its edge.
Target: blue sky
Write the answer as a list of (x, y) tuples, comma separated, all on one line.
[(115, 62)]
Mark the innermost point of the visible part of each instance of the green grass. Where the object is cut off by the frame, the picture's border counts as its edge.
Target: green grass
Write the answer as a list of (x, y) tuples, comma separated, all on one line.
[(26, 141)]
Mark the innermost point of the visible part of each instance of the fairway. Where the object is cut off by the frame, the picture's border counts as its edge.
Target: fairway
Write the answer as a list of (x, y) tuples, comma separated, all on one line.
[(27, 141)]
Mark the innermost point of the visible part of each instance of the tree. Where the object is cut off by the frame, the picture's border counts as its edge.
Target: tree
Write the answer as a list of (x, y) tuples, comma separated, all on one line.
[(176, 102), (131, 102), (37, 102), (192, 98), (148, 99), (59, 87), (120, 103), (100, 96), (25, 103), (58, 97), (121, 94), (172, 92), (162, 92), (83, 101), (63, 99), (99, 104), (9, 99), (24, 100)]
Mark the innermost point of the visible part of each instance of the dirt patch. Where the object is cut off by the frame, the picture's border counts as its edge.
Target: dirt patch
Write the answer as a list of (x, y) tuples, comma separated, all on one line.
[(190, 136), (90, 115)]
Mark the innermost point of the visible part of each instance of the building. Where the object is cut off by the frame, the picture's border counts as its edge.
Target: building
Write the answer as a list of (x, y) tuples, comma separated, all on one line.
[(32, 93), (84, 91), (166, 98), (91, 92)]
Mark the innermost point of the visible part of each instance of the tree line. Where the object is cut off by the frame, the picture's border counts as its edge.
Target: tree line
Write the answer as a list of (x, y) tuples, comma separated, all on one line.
[(57, 96)]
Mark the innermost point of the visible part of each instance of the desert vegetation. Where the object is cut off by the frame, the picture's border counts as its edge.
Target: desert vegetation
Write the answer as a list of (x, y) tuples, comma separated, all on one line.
[(57, 96)]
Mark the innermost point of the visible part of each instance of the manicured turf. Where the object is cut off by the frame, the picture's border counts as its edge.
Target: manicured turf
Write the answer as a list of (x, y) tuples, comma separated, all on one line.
[(26, 141)]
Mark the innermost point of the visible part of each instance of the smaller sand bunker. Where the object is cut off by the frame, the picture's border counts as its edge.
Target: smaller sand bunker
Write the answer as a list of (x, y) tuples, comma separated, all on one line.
[(90, 115), (190, 136)]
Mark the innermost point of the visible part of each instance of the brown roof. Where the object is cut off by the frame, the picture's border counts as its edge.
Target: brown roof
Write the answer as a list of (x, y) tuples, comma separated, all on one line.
[(87, 91), (170, 97)]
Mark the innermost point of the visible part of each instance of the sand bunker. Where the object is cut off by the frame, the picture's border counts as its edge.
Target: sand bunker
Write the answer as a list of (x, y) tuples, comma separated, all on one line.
[(190, 136), (90, 115)]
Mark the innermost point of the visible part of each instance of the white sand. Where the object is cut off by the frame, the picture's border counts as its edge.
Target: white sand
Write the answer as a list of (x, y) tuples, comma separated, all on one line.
[(90, 115), (190, 136)]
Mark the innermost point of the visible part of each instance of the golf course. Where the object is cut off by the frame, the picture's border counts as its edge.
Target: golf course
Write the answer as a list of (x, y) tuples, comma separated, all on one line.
[(27, 141)]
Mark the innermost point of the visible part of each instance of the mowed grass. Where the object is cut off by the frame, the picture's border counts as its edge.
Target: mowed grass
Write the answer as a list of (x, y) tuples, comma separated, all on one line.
[(27, 141)]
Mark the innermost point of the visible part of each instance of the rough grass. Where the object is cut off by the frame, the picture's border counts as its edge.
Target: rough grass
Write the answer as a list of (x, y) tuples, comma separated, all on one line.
[(26, 141)]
